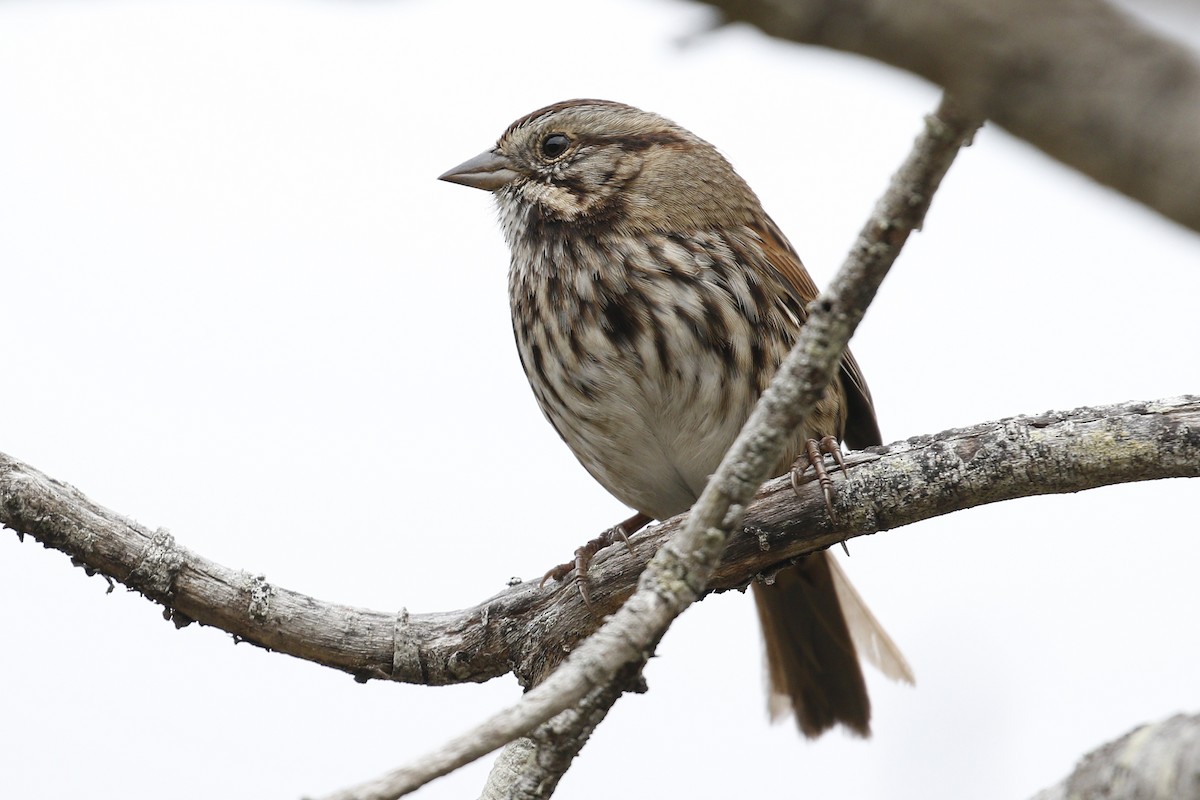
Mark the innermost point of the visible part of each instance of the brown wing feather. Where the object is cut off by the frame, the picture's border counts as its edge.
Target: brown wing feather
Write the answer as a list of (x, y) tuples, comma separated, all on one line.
[(862, 427)]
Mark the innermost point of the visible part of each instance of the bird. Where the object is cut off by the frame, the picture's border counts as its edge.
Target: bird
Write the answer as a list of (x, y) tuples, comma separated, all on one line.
[(652, 301)]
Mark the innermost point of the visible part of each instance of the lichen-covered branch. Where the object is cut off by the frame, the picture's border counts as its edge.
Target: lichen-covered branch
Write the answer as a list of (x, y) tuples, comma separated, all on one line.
[(884, 488)]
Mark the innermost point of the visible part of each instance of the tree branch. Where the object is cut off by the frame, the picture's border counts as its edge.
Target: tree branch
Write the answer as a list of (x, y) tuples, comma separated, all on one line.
[(1119, 105), (1160, 761), (884, 488)]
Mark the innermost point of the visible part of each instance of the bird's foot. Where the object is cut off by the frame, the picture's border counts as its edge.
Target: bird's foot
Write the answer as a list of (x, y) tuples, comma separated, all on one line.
[(584, 554), (814, 455)]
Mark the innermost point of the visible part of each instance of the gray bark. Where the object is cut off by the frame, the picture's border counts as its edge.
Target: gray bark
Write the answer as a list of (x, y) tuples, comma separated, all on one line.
[(1160, 761), (1079, 79)]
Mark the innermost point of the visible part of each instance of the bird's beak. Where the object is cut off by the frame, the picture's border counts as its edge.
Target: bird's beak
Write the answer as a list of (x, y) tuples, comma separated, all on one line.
[(489, 170)]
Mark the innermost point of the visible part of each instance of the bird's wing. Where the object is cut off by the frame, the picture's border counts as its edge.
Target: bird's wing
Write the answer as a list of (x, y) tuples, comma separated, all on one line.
[(862, 428)]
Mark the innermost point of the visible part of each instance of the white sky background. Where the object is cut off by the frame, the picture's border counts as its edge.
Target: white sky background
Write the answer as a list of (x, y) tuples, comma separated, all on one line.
[(237, 304)]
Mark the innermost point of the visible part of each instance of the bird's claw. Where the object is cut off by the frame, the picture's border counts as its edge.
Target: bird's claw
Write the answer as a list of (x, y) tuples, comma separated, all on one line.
[(814, 455), (585, 553)]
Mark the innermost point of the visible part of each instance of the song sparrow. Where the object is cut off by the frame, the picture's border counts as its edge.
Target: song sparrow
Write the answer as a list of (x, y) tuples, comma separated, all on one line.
[(652, 301)]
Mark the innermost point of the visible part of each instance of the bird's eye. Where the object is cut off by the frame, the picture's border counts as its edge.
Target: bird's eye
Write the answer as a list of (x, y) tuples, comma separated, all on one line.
[(555, 145)]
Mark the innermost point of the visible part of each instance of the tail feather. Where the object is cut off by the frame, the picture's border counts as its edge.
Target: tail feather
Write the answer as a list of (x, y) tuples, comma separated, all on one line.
[(812, 664), (870, 639)]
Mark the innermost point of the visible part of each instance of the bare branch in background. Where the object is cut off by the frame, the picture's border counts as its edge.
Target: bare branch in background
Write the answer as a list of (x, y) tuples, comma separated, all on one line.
[(1160, 761), (1079, 79)]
